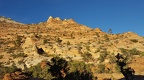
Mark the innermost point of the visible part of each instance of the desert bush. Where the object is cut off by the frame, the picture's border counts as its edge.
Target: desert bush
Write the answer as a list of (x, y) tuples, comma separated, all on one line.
[(117, 69), (79, 71), (37, 72), (134, 40), (112, 59), (18, 41), (78, 65), (18, 55), (87, 47), (45, 41), (102, 57), (123, 50), (9, 69), (106, 37), (68, 43), (101, 68), (122, 63), (11, 49), (58, 67), (61, 69), (134, 51), (98, 50), (87, 56), (1, 56), (77, 75), (58, 40), (131, 52), (109, 31), (142, 54)]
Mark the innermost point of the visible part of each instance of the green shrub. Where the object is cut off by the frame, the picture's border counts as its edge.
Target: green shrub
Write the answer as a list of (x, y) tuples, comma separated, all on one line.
[(10, 69), (134, 51), (124, 51), (18, 55), (45, 41), (38, 72), (11, 49), (18, 41), (87, 56), (122, 63), (78, 65), (109, 31), (112, 59), (102, 57), (101, 68), (117, 68), (58, 67), (142, 54)]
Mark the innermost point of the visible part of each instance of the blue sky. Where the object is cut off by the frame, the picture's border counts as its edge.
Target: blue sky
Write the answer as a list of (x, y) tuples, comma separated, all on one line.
[(118, 15)]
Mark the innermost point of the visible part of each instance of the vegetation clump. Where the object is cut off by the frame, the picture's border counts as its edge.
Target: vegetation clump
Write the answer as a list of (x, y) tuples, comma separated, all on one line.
[(122, 62), (18, 55), (9, 69), (1, 56), (134, 40), (131, 52), (60, 69)]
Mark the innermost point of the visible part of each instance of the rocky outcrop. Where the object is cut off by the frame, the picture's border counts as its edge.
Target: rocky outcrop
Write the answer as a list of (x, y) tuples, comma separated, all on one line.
[(98, 30), (49, 19), (57, 20), (131, 35), (8, 20), (30, 47), (52, 20), (34, 60)]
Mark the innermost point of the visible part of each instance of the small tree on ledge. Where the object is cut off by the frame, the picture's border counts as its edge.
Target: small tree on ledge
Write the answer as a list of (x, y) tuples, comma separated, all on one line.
[(122, 62)]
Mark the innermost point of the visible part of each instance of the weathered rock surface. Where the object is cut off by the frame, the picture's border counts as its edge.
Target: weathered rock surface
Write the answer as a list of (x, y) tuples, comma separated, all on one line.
[(16, 76), (34, 60), (29, 47), (64, 38)]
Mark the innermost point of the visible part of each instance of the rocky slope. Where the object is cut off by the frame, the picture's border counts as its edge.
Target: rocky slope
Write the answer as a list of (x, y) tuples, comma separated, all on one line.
[(28, 44), (8, 20)]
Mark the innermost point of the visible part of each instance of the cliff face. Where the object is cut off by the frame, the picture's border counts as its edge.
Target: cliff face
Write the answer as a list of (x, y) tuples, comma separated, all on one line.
[(65, 32), (65, 38)]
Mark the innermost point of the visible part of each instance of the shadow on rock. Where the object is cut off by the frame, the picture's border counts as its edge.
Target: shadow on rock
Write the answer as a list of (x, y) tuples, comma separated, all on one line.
[(135, 77)]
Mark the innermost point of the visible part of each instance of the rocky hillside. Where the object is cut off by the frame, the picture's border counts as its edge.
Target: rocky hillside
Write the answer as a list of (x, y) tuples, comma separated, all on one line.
[(29, 44), (8, 20)]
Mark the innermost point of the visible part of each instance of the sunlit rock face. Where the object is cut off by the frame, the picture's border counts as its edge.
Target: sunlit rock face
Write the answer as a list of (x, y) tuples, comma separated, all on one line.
[(29, 47)]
